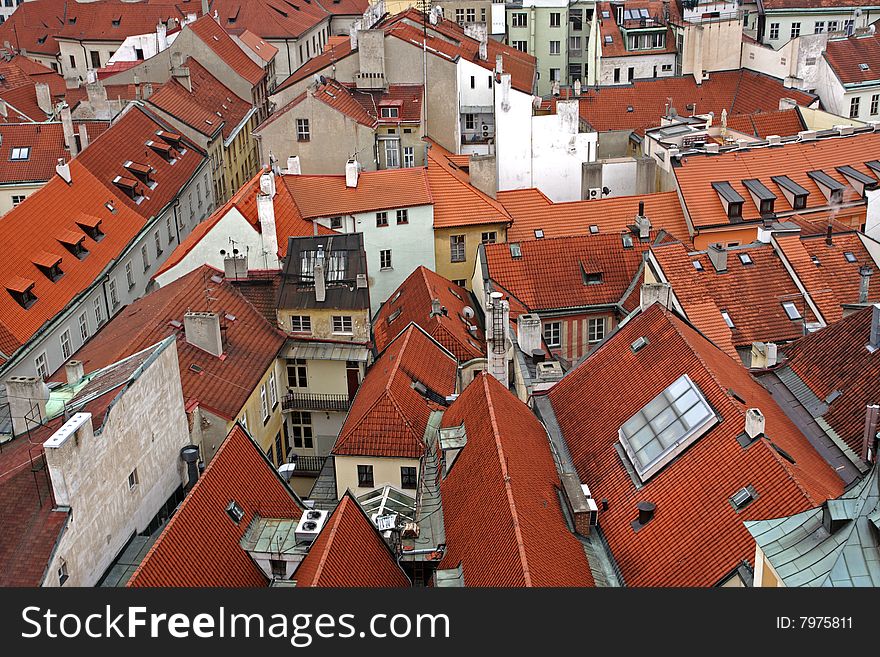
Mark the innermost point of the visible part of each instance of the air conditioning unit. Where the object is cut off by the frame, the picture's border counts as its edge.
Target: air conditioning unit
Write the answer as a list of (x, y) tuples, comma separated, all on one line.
[(361, 281), (595, 192), (594, 512), (310, 526), (485, 128), (385, 522)]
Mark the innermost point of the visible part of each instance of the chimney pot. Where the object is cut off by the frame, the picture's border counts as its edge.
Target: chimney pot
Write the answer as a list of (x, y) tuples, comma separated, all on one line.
[(190, 455), (828, 239), (435, 307), (646, 512), (538, 356)]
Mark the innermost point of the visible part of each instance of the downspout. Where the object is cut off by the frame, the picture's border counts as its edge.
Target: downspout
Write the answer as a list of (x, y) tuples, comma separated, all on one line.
[(176, 225), (106, 301)]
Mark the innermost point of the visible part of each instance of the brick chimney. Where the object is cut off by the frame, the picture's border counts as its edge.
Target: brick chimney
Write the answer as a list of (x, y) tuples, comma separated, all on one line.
[(202, 330), (27, 397)]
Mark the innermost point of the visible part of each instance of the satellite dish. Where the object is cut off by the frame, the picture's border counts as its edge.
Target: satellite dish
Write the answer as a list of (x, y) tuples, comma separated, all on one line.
[(468, 312)]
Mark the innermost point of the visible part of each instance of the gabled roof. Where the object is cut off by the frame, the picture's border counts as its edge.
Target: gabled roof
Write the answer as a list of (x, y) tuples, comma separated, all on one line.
[(388, 417), (21, 105), (616, 45), (411, 303), (200, 546), (739, 92), (46, 143), (784, 123), (501, 507), (531, 211), (259, 46), (751, 293), (350, 553), (270, 19), (221, 385), (696, 536), (113, 20), (856, 59), (225, 47)]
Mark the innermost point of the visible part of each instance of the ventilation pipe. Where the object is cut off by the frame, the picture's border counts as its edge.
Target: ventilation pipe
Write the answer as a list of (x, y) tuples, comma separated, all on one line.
[(190, 455), (868, 452)]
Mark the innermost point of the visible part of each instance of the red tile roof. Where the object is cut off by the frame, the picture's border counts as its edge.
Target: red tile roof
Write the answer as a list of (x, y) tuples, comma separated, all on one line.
[(531, 211), (784, 123), (113, 20), (200, 546), (501, 510), (225, 47), (413, 300), (696, 536), (350, 553), (697, 173), (35, 27), (269, 19), (608, 27), (835, 359), (250, 343), (855, 59), (21, 105), (388, 417), (551, 273), (46, 141), (345, 7), (261, 48), (739, 92)]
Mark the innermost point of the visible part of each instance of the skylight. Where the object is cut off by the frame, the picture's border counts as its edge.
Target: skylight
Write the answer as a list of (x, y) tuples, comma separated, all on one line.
[(791, 310), (697, 265), (608, 38), (850, 256), (19, 154), (666, 426), (627, 240), (394, 315), (594, 229), (235, 511), (864, 67), (746, 259), (727, 319), (515, 250), (815, 260), (539, 233)]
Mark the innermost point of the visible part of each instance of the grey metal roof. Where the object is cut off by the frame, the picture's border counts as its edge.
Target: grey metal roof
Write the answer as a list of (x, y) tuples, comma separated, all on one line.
[(297, 291), (802, 392), (328, 351), (804, 552)]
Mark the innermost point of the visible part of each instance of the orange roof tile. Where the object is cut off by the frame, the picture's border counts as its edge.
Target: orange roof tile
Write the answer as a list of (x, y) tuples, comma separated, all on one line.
[(854, 60), (696, 537), (261, 48), (501, 510), (225, 47), (388, 417), (784, 123), (46, 142), (238, 472), (270, 19), (616, 46)]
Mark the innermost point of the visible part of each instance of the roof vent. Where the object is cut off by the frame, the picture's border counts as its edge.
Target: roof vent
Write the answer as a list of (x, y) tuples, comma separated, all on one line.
[(310, 525), (646, 515)]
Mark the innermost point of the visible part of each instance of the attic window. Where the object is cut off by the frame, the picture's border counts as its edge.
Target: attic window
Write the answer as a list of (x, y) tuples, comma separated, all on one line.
[(666, 426), (49, 264), (590, 277), (92, 229), (539, 234), (20, 154), (142, 172), (235, 511), (697, 265), (515, 250), (456, 294), (129, 186), (608, 38), (864, 67), (389, 112), (396, 296), (746, 259), (594, 229), (833, 189), (850, 256), (743, 497), (815, 260), (627, 240), (72, 20), (727, 319), (117, 21), (730, 199), (73, 242), (794, 193), (791, 310), (638, 344), (21, 290), (394, 315), (164, 150)]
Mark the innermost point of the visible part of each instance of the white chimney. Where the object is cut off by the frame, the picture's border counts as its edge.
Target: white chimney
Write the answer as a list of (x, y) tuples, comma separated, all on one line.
[(161, 36), (436, 308), (83, 136), (202, 330), (874, 340), (64, 460), (528, 333), (754, 423), (235, 266), (652, 293), (63, 170), (718, 257), (319, 275), (351, 173), (499, 64), (293, 166), (267, 184), (74, 370), (268, 231), (27, 397), (498, 321), (67, 130), (44, 99)]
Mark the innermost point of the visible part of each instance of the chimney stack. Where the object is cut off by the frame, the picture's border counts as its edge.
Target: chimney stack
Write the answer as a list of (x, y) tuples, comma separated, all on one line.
[(828, 239), (868, 452), (498, 320), (319, 275), (865, 272), (351, 173), (646, 512), (83, 137), (161, 36), (64, 458), (62, 168), (293, 166), (267, 184), (67, 130), (643, 224), (435, 308), (651, 293), (44, 99), (27, 396), (202, 330), (528, 333), (874, 341), (754, 423), (718, 257), (206, 9), (235, 266), (74, 370), (190, 455), (268, 230)]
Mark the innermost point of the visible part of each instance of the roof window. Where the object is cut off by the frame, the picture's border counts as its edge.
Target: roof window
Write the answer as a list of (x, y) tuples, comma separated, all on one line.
[(234, 510), (539, 234), (627, 240), (791, 310), (20, 154), (515, 250), (22, 290), (746, 259), (727, 319), (850, 256), (743, 497), (697, 265), (394, 315), (594, 229)]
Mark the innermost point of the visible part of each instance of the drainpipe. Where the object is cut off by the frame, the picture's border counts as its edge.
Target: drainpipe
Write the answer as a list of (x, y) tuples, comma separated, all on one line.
[(106, 300), (176, 225)]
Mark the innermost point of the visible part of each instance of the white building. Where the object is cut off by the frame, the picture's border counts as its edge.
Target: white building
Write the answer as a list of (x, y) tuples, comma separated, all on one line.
[(848, 77)]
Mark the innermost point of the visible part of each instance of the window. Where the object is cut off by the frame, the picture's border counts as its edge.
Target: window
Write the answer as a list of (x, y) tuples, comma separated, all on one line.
[(17, 198), (697, 265), (158, 240), (129, 275), (832, 26), (273, 391), (381, 219), (409, 156), (553, 334), (576, 19), (297, 374), (41, 367), (84, 326), (818, 27), (554, 47), (850, 256), (470, 122), (795, 30), (630, 74), (95, 58), (111, 288), (235, 512), (389, 112), (519, 20), (596, 329), (774, 31), (365, 476), (133, 479), (459, 281), (99, 312), (522, 46), (336, 223), (63, 576), (385, 259), (574, 43), (791, 310), (555, 19), (473, 82), (72, 61), (456, 248), (489, 238), (848, 25), (301, 429), (264, 403), (199, 194), (854, 107), (392, 154), (408, 478), (554, 74), (302, 130), (168, 227), (301, 323), (666, 67), (617, 75), (342, 324), (875, 104), (403, 216), (727, 319), (20, 153), (666, 426), (515, 250), (144, 257)]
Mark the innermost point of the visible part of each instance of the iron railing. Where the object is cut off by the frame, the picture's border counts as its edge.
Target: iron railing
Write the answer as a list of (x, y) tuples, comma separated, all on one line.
[(311, 401)]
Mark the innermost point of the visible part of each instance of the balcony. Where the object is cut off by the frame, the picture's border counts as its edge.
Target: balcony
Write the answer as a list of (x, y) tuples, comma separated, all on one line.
[(311, 401), (307, 465)]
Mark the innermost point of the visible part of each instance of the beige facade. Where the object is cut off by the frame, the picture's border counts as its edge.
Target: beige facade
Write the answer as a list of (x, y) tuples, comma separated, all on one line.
[(77, 57), (765, 574), (240, 157), (264, 420), (321, 320), (385, 471), (13, 194), (462, 272)]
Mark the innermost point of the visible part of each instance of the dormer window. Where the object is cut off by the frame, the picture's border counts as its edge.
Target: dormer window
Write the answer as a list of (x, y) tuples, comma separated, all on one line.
[(857, 179), (794, 193), (49, 264), (389, 112), (163, 150), (142, 172), (130, 187), (116, 21), (730, 199), (831, 188), (91, 227), (73, 242), (590, 277), (22, 290), (173, 139)]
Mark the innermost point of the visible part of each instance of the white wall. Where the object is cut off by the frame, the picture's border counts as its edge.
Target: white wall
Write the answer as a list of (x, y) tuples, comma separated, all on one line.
[(482, 94), (559, 152), (643, 65), (620, 177), (513, 137)]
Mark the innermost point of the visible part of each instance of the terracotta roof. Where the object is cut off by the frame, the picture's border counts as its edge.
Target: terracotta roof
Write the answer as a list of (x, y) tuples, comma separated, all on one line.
[(608, 27), (35, 27), (697, 173), (260, 288), (325, 196), (552, 273), (835, 360), (261, 48), (113, 20), (46, 142), (456, 201), (854, 60), (238, 472), (696, 537), (739, 92), (350, 553), (411, 302), (225, 47), (269, 19), (531, 211), (334, 41), (501, 510), (784, 123), (222, 385), (21, 105), (345, 7), (388, 417)]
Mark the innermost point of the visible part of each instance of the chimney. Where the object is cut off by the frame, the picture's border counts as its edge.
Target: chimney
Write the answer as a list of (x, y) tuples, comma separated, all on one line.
[(62, 168), (202, 330), (528, 333), (181, 74), (351, 173), (44, 99), (754, 423), (206, 9), (267, 184), (577, 88), (319, 275), (828, 240), (874, 341), (74, 370), (235, 266), (97, 96), (27, 397), (869, 440), (498, 320), (499, 65), (583, 508), (643, 223), (865, 272), (646, 512), (353, 34), (67, 129), (190, 455), (435, 308), (161, 36), (651, 293), (147, 90), (268, 231), (64, 460), (293, 166), (718, 256), (479, 32), (83, 137)]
